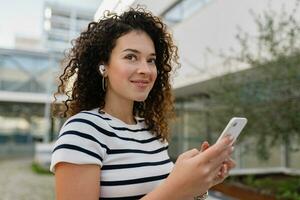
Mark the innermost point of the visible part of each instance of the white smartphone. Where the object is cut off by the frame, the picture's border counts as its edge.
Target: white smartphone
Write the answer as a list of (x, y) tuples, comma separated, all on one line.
[(234, 128)]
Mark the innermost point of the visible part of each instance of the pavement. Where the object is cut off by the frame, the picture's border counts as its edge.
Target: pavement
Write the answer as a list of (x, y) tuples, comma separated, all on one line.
[(213, 195), (19, 182)]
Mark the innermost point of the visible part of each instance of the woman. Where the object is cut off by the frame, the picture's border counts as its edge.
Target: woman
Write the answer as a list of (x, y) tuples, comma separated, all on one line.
[(114, 143)]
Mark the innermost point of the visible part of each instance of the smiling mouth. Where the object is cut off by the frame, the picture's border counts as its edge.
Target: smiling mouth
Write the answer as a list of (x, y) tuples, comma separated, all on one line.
[(140, 83)]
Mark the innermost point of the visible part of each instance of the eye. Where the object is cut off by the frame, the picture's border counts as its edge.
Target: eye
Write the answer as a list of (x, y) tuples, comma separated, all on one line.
[(152, 60), (131, 57)]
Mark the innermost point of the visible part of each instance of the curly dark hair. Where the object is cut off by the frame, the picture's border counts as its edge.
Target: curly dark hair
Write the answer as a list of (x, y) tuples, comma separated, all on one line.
[(94, 46)]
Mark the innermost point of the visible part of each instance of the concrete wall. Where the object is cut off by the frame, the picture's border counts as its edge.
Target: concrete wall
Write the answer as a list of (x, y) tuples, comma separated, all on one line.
[(214, 26)]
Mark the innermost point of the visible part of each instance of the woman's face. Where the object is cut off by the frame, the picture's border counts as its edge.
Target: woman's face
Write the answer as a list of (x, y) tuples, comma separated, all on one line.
[(131, 70)]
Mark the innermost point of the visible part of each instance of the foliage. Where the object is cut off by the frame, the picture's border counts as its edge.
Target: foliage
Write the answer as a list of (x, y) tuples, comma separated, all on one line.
[(268, 92), (283, 187), (39, 169)]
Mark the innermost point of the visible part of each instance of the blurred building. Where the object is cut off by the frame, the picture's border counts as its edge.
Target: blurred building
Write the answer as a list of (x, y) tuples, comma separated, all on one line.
[(62, 23), (27, 79), (29, 75), (28, 43), (204, 30)]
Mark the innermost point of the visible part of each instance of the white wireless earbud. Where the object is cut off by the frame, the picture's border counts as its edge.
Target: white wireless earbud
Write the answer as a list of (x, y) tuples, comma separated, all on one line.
[(102, 69)]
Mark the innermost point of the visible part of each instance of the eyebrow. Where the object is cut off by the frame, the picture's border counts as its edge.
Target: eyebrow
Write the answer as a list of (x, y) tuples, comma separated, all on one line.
[(136, 51)]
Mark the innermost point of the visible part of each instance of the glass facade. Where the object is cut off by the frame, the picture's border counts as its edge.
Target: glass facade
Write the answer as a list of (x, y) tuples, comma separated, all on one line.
[(64, 23), (27, 80), (194, 126), (182, 10), (23, 71)]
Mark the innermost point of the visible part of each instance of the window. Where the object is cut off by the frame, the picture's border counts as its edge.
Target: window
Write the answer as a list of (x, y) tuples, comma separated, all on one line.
[(182, 10)]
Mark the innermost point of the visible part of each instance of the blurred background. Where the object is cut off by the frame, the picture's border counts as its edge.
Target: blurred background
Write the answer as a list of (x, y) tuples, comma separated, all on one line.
[(238, 58)]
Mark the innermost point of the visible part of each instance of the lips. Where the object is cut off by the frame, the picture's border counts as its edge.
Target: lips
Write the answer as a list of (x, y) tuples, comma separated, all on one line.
[(140, 83)]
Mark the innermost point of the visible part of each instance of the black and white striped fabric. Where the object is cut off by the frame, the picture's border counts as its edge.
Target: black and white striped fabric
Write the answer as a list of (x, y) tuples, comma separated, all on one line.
[(133, 161)]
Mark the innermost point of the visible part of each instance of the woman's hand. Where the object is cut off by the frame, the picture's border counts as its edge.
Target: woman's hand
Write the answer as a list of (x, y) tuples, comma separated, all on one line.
[(226, 167), (196, 171)]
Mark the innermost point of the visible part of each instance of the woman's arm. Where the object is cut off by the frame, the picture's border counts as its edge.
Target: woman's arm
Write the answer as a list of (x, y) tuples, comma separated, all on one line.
[(77, 182)]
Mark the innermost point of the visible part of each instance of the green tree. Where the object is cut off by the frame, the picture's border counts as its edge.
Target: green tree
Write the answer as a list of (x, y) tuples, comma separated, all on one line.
[(268, 93)]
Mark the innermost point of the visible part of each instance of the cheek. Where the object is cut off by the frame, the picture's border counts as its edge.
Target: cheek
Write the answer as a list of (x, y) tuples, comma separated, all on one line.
[(120, 74), (153, 77), (154, 74)]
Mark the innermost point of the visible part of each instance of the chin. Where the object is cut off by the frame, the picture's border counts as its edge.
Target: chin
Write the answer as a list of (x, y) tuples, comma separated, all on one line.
[(140, 98)]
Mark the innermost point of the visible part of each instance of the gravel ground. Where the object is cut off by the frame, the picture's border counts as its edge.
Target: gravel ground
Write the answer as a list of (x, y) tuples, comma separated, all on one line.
[(19, 182)]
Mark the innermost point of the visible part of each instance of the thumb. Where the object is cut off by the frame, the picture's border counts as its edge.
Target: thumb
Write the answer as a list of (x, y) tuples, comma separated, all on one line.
[(204, 146)]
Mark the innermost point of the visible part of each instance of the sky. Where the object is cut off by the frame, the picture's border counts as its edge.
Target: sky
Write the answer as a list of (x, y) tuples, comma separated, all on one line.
[(24, 18), (19, 17)]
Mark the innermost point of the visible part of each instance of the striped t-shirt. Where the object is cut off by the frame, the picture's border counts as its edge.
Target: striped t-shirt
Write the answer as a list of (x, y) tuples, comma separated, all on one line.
[(133, 161)]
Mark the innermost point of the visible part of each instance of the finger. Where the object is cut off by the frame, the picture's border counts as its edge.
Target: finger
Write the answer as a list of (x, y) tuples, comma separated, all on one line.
[(228, 139), (225, 170), (204, 146), (230, 163), (225, 156), (219, 177), (222, 170), (222, 174), (214, 163), (217, 149), (189, 154)]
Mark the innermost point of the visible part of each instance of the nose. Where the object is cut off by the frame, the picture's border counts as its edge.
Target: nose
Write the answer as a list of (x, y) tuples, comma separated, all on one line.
[(144, 68)]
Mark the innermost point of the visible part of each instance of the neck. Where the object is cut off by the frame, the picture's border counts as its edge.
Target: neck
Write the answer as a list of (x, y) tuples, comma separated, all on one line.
[(119, 108)]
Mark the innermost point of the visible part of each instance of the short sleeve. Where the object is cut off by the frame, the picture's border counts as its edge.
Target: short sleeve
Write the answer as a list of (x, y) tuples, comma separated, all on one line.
[(78, 143)]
